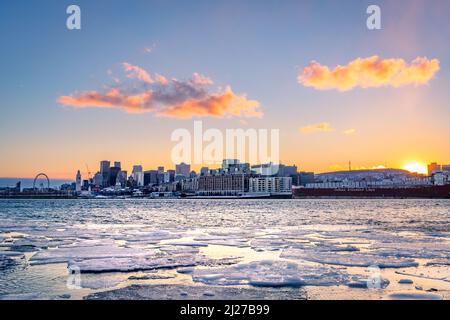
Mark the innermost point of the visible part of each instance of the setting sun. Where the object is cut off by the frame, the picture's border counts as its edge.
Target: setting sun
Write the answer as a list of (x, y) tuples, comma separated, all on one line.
[(416, 167)]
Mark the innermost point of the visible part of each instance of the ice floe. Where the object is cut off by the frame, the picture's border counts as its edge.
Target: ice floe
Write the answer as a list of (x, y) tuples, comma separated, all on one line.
[(353, 259), (186, 292), (99, 252), (270, 274)]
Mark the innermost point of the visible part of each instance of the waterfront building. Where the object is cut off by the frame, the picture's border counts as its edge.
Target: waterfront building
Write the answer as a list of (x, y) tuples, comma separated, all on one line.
[(182, 169), (439, 178), (189, 185), (223, 185), (272, 185)]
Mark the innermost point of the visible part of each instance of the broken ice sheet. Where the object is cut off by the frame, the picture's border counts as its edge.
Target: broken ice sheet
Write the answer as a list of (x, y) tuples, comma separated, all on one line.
[(101, 281), (352, 259), (430, 272), (147, 237), (184, 292), (415, 249), (128, 264), (269, 273), (269, 243), (232, 241), (66, 253)]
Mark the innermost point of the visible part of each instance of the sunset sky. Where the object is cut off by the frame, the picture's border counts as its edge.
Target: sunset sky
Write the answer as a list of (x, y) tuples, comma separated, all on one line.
[(137, 70)]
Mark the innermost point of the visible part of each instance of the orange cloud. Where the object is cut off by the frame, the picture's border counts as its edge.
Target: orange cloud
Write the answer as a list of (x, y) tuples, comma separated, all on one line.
[(135, 72), (111, 99), (169, 98), (224, 104), (319, 127), (369, 72)]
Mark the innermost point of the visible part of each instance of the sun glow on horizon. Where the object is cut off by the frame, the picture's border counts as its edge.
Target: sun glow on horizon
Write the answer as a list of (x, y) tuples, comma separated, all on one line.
[(416, 167)]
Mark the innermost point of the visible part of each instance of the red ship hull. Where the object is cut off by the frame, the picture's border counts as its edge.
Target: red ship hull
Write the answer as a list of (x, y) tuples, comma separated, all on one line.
[(428, 192)]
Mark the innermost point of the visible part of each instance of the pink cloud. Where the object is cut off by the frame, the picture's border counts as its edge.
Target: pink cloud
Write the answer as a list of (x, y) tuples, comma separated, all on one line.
[(369, 72), (135, 72), (168, 98)]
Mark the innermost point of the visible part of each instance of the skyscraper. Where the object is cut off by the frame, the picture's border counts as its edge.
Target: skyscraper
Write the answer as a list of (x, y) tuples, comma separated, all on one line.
[(78, 182), (138, 175), (104, 171), (122, 178), (113, 174), (150, 177), (117, 164), (104, 166)]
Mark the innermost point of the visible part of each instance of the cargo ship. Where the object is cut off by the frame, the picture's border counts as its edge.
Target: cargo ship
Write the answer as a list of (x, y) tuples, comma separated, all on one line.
[(403, 192)]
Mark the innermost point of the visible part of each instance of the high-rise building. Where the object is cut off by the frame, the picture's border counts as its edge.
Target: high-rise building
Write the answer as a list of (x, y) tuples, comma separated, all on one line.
[(223, 185), (98, 179), (434, 167), (446, 168), (78, 182), (122, 178), (183, 169), (113, 174), (270, 185), (150, 177), (166, 177), (104, 170), (160, 169), (138, 175), (117, 164), (137, 168), (104, 166)]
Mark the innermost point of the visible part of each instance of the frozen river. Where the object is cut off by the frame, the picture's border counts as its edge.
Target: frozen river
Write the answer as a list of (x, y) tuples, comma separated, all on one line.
[(224, 249)]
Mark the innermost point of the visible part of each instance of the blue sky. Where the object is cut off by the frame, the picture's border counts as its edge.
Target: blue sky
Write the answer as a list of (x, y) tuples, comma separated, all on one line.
[(256, 47)]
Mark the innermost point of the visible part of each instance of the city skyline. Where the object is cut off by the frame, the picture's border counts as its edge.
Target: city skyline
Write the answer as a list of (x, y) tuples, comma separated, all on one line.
[(118, 87)]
